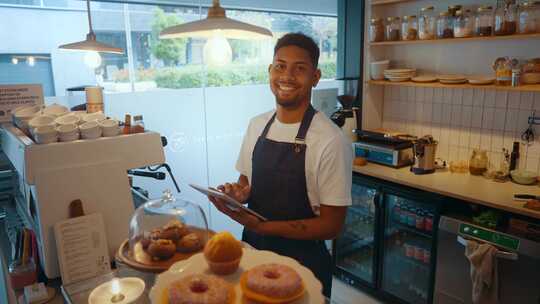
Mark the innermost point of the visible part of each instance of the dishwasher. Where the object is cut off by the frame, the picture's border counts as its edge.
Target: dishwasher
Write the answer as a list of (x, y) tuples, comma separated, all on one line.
[(518, 264)]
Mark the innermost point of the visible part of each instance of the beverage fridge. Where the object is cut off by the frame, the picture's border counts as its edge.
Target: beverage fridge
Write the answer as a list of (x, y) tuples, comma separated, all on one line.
[(388, 242)]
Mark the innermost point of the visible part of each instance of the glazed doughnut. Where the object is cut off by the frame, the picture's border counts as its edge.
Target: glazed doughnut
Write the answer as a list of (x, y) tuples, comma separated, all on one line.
[(201, 289), (161, 249), (189, 243), (272, 283)]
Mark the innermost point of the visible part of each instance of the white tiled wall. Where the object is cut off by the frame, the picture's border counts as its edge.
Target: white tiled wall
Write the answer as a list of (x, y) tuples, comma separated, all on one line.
[(464, 119)]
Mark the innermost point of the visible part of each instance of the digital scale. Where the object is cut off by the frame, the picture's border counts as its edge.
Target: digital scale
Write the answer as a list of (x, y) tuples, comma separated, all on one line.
[(383, 149)]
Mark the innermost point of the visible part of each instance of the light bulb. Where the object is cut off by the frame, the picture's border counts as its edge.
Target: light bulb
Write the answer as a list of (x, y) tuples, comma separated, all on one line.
[(15, 60), (217, 50), (92, 59), (31, 60)]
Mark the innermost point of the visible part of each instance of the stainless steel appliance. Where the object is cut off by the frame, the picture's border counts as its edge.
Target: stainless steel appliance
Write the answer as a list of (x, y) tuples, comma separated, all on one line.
[(518, 264), (424, 150), (383, 149)]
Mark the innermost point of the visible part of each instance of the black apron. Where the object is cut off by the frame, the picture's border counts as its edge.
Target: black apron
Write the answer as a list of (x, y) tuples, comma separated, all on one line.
[(279, 193)]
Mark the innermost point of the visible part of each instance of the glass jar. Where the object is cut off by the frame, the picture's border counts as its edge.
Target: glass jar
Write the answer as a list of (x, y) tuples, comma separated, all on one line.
[(409, 28), (427, 24), (484, 21), (463, 25), (376, 30), (445, 26), (479, 162), (505, 18), (393, 25), (452, 10), (503, 71), (528, 14)]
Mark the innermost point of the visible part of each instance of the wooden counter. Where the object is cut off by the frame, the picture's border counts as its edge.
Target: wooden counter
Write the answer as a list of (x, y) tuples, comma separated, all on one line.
[(463, 186)]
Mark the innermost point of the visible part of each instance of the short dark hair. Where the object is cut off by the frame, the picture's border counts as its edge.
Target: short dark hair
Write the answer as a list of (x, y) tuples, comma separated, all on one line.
[(302, 41)]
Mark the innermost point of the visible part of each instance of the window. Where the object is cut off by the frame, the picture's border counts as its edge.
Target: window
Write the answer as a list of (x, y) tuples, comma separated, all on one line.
[(27, 68)]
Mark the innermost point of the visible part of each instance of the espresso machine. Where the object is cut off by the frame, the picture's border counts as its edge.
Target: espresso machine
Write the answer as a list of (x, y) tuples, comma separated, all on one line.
[(424, 150), (347, 117)]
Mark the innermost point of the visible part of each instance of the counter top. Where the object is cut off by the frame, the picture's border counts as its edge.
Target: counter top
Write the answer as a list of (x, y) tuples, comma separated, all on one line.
[(463, 186)]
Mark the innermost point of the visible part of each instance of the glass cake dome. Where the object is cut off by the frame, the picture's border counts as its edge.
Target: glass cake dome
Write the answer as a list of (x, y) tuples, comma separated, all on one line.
[(167, 228)]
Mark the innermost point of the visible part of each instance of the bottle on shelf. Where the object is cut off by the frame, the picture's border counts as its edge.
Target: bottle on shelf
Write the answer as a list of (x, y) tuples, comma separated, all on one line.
[(427, 23), (445, 24), (484, 21), (420, 219), (463, 25), (127, 125), (506, 17), (409, 28), (393, 25), (138, 124), (376, 30), (514, 156)]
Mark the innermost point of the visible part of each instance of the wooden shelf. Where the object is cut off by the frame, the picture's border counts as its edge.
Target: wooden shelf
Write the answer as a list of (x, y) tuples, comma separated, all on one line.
[(458, 40), (382, 2), (526, 88)]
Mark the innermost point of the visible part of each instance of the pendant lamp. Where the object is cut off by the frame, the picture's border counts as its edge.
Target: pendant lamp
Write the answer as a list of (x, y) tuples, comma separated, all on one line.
[(216, 21), (91, 44)]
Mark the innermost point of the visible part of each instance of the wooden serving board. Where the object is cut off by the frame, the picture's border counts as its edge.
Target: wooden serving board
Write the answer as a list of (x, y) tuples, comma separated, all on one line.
[(140, 260)]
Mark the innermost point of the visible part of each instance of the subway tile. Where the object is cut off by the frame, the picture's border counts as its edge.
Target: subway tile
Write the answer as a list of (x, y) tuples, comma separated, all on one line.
[(499, 119), (514, 100), (511, 120), (387, 109), (454, 136), (468, 97), (523, 121), (403, 107), (526, 101), (464, 153), (428, 95), (534, 148), (436, 131), (447, 95), (495, 160), (437, 113), (489, 98), (428, 112), (508, 140), (388, 93), (501, 98), (411, 112), (453, 153), (497, 141), (536, 105), (442, 151), (476, 119), (456, 115), (474, 138), (485, 140), (464, 137), (419, 112), (446, 113), (396, 93), (531, 163), (411, 94), (403, 93), (466, 116), (438, 95), (420, 94), (457, 96), (478, 97), (427, 129), (487, 118), (445, 135)]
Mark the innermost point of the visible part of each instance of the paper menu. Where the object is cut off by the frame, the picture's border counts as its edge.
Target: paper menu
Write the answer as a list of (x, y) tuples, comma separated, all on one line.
[(81, 244)]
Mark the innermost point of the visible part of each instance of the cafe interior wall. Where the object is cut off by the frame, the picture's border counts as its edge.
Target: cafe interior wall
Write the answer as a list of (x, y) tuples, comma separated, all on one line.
[(461, 119)]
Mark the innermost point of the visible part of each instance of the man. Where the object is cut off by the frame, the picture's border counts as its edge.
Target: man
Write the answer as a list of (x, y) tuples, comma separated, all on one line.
[(295, 167)]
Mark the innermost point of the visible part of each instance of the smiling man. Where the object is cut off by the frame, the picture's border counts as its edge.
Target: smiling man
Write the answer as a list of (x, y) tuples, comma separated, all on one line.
[(295, 166)]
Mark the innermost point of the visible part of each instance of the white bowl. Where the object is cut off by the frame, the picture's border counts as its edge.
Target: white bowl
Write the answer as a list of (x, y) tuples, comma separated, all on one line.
[(40, 121), (67, 129), (68, 120), (55, 110), (377, 69), (110, 132), (90, 130), (98, 116), (45, 135), (110, 127), (26, 111), (68, 137)]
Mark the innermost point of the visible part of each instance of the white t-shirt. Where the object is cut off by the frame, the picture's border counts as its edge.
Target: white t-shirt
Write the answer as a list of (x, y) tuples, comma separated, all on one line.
[(328, 157)]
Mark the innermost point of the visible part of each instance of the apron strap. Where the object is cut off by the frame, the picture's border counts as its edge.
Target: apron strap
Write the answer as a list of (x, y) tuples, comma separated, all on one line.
[(267, 127), (306, 122)]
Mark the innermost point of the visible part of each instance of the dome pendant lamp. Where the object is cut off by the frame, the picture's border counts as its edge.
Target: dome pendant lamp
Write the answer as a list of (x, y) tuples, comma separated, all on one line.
[(216, 21), (91, 44)]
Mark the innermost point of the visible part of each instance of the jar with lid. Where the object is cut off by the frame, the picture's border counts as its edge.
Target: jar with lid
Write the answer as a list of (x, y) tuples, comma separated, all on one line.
[(484, 21), (463, 24), (426, 24), (376, 30), (479, 162), (528, 14), (503, 71), (505, 17), (452, 10), (445, 26), (409, 28), (393, 25)]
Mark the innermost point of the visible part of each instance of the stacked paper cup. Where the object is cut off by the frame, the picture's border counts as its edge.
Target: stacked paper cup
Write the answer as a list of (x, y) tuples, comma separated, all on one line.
[(94, 99)]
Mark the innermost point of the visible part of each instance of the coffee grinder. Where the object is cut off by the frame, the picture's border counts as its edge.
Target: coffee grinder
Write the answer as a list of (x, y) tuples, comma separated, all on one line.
[(347, 117)]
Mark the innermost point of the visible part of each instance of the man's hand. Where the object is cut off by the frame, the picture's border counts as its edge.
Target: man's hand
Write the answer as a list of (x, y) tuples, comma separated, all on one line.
[(237, 191), (240, 216)]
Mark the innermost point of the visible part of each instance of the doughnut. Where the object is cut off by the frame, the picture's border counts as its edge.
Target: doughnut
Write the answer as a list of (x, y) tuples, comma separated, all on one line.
[(189, 243), (272, 283), (200, 289), (173, 230), (161, 249)]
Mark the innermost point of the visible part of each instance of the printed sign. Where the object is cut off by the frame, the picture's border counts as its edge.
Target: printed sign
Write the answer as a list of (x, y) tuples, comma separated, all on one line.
[(14, 96)]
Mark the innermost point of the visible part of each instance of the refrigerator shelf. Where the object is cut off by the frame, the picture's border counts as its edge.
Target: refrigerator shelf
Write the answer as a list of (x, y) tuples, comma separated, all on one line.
[(410, 229)]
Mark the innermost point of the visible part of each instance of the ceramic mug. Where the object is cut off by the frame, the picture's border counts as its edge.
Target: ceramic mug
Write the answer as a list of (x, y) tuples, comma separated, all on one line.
[(68, 132), (110, 127), (90, 130)]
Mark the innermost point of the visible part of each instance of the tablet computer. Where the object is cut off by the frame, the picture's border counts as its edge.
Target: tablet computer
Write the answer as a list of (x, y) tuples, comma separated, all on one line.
[(230, 202)]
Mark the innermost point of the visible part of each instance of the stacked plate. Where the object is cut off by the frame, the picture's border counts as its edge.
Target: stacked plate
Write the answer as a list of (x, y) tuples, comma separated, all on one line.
[(452, 79), (481, 80), (425, 78), (397, 75)]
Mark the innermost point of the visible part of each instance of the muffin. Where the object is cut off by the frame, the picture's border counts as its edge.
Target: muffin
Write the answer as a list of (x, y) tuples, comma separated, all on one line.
[(173, 230), (161, 249), (223, 253), (189, 243)]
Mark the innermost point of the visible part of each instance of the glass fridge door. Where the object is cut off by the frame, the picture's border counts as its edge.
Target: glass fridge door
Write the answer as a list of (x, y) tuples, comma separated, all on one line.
[(408, 242), (355, 247)]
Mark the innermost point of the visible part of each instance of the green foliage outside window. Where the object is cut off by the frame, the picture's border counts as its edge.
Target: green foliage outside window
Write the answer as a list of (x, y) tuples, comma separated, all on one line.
[(171, 51)]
